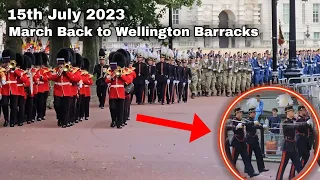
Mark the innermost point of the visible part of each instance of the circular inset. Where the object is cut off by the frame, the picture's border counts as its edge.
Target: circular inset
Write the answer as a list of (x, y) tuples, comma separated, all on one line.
[(285, 92)]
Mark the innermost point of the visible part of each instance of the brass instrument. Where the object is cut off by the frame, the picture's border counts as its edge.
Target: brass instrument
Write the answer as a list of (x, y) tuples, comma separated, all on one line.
[(12, 64), (3, 74), (118, 72), (66, 67)]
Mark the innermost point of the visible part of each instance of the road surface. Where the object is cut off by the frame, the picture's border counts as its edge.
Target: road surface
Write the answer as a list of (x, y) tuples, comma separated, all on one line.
[(91, 150)]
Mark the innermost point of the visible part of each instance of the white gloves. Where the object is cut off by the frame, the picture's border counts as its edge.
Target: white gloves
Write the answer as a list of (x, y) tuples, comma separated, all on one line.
[(309, 122), (80, 85), (168, 81), (109, 77), (256, 123), (210, 67), (189, 81), (184, 84), (177, 82), (199, 79), (3, 82), (239, 126), (155, 82), (153, 76), (265, 126), (146, 81)]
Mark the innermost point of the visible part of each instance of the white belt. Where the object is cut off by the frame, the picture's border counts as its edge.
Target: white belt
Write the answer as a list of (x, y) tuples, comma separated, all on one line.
[(86, 86), (40, 82), (116, 86), (62, 83), (20, 85), (11, 82)]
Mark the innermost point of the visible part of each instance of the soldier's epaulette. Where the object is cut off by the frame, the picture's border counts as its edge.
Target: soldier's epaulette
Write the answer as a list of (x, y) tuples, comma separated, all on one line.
[(75, 69)]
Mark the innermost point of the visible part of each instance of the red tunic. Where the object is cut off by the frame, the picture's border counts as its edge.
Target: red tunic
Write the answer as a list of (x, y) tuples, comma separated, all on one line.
[(36, 78), (77, 77), (87, 82), (11, 88), (22, 83), (63, 84), (117, 90), (131, 74), (43, 84)]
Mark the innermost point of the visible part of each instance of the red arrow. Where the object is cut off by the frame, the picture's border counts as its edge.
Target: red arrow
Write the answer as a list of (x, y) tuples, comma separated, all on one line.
[(197, 128)]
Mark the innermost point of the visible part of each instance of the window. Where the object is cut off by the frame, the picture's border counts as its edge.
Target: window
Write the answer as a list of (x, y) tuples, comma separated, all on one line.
[(286, 36), (286, 13), (260, 12), (316, 9), (316, 35), (303, 13), (120, 39), (175, 16)]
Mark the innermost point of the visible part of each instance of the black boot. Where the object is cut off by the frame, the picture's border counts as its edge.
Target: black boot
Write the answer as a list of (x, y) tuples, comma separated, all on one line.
[(192, 96), (5, 124), (113, 124)]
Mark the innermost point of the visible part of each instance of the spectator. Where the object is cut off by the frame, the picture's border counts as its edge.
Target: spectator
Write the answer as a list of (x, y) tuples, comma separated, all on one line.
[(259, 109), (274, 123)]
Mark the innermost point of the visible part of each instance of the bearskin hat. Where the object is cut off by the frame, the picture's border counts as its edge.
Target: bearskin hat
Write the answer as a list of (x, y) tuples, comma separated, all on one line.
[(86, 64), (38, 57), (79, 60), (120, 59), (45, 58), (72, 55), (27, 62), (63, 55), (111, 56), (19, 59), (8, 55), (31, 56), (102, 54), (126, 54)]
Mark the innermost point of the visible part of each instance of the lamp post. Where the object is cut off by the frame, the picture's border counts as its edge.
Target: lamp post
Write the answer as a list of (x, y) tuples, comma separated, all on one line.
[(293, 70), (274, 40)]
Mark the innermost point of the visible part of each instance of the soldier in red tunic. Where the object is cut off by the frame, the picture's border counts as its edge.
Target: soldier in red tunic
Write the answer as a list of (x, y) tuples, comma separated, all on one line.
[(36, 73), (63, 78), (9, 87), (22, 82), (85, 90), (117, 80), (45, 86)]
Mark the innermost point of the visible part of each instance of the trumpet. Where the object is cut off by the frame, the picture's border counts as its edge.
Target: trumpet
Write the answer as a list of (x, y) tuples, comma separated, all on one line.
[(66, 67), (12, 64), (3, 74), (118, 72)]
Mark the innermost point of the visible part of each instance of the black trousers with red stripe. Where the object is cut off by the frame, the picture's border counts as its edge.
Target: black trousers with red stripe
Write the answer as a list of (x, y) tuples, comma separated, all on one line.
[(227, 149), (240, 148), (254, 146), (293, 155)]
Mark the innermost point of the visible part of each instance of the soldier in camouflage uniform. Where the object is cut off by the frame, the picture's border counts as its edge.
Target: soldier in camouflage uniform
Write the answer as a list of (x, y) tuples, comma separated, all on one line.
[(222, 76), (195, 71), (243, 71), (215, 67), (199, 87), (230, 64), (236, 77), (206, 65), (249, 74)]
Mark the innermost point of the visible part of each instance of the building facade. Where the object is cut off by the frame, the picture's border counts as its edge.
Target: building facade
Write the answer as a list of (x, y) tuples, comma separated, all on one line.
[(237, 13)]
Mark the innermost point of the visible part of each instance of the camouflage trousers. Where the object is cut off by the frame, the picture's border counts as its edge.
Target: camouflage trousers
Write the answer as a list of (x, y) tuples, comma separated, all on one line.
[(222, 79), (236, 83), (206, 80), (248, 82), (194, 84), (213, 86), (243, 81), (229, 82)]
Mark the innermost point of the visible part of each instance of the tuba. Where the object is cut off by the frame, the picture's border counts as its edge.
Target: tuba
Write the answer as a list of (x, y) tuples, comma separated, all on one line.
[(12, 64)]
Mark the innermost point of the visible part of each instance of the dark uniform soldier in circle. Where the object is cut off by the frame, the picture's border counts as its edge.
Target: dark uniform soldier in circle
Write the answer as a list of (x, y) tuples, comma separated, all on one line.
[(238, 143), (253, 140), (289, 149)]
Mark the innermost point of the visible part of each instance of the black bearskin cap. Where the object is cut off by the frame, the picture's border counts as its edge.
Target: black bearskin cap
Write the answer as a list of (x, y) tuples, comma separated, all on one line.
[(86, 64), (31, 56), (111, 56), (8, 55), (19, 59), (120, 59), (79, 60), (64, 54), (38, 57), (27, 62), (45, 58), (72, 55), (126, 55)]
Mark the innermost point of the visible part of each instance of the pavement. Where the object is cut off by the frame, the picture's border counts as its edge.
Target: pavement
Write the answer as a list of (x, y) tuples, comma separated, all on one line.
[(91, 150)]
